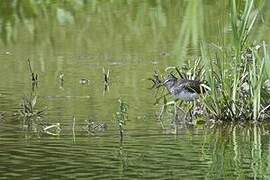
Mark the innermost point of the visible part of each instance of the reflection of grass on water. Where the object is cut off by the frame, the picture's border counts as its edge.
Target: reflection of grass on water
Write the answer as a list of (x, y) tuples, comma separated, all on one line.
[(236, 148)]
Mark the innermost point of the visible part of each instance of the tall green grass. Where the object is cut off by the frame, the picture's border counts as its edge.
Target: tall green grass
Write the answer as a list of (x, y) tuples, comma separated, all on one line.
[(237, 71)]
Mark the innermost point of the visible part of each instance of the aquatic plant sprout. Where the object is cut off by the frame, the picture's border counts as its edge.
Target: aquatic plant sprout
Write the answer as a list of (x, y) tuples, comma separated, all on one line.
[(121, 116)]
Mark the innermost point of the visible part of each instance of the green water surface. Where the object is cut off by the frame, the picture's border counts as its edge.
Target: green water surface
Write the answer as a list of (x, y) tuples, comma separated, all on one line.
[(131, 38)]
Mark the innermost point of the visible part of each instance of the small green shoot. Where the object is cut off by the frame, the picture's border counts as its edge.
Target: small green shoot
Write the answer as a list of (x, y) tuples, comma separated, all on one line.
[(121, 117)]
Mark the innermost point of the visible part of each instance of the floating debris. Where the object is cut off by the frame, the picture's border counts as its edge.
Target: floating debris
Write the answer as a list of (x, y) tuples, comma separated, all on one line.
[(53, 129), (93, 127), (84, 81), (164, 53)]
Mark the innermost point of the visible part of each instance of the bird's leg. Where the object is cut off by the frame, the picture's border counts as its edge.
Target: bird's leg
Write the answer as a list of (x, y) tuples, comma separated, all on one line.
[(187, 113), (161, 112), (190, 112), (175, 112), (159, 98), (179, 104), (176, 107), (176, 117), (164, 107)]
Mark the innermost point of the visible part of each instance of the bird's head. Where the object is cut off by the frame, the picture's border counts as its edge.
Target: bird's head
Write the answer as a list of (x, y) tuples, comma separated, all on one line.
[(170, 80)]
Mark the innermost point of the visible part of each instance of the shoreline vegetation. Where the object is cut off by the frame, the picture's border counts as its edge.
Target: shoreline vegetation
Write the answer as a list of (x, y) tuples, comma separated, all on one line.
[(235, 72)]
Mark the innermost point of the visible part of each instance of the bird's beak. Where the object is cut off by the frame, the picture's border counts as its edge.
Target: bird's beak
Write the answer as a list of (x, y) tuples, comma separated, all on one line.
[(164, 82)]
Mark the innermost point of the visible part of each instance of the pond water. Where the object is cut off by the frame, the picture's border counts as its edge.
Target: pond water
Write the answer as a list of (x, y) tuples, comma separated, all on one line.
[(131, 39)]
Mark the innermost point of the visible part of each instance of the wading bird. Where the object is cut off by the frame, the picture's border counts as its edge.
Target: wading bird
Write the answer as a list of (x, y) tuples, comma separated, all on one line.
[(183, 89)]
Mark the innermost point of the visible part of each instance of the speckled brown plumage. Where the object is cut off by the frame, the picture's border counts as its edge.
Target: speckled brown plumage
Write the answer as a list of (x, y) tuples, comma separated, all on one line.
[(184, 89)]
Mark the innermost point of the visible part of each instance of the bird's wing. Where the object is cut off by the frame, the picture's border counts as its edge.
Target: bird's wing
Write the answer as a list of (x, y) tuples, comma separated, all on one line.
[(192, 86)]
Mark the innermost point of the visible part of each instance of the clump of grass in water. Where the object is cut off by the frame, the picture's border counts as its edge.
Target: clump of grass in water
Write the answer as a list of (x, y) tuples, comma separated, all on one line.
[(237, 76), (33, 118), (29, 113), (121, 116)]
